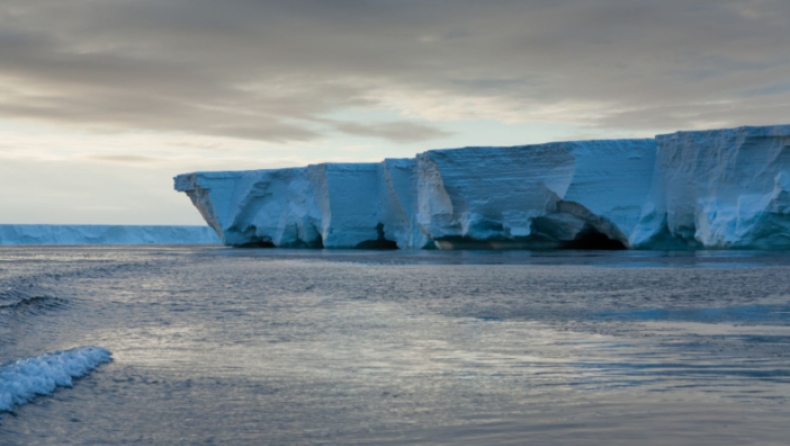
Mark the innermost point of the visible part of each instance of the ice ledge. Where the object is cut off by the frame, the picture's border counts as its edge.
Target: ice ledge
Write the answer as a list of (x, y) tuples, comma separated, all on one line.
[(691, 190)]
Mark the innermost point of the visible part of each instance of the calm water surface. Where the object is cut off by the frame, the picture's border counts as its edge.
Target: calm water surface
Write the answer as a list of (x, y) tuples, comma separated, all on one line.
[(220, 346)]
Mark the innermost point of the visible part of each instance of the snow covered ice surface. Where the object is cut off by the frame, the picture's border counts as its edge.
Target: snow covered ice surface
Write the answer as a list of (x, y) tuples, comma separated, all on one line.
[(104, 235), (24, 379), (689, 190)]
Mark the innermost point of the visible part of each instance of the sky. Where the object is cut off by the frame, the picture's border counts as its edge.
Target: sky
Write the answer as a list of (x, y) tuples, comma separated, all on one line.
[(102, 102)]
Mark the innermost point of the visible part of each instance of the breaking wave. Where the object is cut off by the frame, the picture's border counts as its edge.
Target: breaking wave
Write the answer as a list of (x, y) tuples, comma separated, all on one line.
[(24, 379)]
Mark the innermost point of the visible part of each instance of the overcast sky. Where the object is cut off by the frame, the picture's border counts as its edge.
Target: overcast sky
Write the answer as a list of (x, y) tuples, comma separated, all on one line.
[(102, 102)]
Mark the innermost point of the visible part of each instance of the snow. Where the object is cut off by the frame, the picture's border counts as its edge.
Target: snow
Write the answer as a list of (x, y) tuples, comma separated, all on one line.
[(104, 235), (709, 189), (24, 379)]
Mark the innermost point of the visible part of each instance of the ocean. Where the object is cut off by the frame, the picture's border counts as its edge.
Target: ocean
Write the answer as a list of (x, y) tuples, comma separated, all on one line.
[(209, 345)]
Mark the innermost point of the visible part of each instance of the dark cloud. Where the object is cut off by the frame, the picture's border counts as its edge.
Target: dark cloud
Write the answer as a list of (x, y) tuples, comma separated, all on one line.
[(269, 70)]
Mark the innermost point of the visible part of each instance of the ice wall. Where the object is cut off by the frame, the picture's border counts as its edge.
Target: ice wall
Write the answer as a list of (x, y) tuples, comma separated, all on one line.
[(104, 235), (688, 190), (726, 189), (539, 196), (325, 205)]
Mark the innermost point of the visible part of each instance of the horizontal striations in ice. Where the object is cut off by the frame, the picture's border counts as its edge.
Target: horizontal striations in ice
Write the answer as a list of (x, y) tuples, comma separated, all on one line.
[(24, 379), (689, 190), (719, 189), (105, 235), (540, 196)]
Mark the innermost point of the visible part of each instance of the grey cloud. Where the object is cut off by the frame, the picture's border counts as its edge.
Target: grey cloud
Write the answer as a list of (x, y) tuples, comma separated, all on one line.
[(269, 70), (402, 132)]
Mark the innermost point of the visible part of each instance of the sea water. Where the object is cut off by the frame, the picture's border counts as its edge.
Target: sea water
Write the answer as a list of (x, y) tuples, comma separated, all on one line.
[(208, 345)]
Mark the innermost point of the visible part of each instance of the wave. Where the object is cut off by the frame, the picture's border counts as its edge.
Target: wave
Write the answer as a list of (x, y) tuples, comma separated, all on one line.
[(34, 302), (24, 379)]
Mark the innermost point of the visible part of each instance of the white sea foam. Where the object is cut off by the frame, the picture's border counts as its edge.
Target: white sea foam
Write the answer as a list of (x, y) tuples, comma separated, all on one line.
[(24, 379)]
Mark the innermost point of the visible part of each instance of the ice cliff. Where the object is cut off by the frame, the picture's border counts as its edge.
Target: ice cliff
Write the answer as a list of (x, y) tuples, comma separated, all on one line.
[(689, 190), (104, 235), (542, 196), (719, 189)]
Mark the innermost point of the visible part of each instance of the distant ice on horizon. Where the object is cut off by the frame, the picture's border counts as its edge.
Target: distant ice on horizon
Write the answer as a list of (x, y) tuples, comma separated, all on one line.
[(11, 234)]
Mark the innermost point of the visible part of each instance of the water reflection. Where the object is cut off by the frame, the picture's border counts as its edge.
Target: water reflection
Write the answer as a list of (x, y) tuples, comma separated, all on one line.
[(620, 259), (345, 347)]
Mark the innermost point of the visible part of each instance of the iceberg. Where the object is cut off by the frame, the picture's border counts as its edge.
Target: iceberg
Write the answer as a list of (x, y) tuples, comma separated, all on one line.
[(719, 189), (105, 235), (24, 379), (688, 190)]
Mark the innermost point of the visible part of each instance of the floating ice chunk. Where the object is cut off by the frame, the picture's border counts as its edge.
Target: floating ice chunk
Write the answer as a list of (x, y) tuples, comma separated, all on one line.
[(24, 379)]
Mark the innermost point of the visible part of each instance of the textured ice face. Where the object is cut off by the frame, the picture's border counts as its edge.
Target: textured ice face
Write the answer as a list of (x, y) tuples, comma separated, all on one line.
[(24, 379), (719, 189), (539, 196), (712, 189)]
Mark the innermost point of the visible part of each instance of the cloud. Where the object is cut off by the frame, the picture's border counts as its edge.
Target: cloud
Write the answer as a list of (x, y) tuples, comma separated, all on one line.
[(399, 132), (123, 158), (268, 71)]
